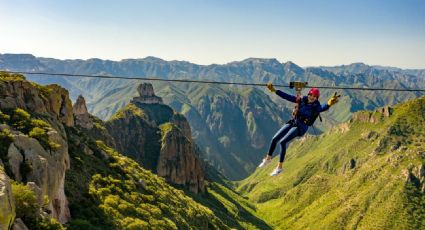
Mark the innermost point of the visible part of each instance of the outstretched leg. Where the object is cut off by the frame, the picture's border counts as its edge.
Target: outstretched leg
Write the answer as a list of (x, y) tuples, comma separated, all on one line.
[(281, 133), (277, 137), (291, 134)]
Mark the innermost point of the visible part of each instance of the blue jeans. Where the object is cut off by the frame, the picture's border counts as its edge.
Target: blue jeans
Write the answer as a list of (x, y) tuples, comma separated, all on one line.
[(288, 132)]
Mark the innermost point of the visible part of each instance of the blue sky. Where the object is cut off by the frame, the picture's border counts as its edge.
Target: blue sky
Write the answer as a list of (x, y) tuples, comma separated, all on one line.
[(307, 32)]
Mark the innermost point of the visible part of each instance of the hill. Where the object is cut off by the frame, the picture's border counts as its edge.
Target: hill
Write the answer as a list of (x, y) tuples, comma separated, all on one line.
[(366, 173)]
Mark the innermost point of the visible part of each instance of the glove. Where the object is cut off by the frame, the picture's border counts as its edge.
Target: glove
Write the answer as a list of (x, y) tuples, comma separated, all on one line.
[(333, 99), (271, 87)]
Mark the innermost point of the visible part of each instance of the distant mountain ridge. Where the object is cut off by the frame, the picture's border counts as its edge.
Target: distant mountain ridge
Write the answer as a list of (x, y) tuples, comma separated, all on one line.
[(214, 110)]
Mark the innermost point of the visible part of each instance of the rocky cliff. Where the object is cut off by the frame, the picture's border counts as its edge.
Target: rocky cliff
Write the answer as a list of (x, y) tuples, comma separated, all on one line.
[(34, 141), (51, 169), (158, 138)]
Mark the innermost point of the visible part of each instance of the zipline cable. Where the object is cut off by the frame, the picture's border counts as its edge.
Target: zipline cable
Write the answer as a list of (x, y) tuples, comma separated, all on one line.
[(205, 82)]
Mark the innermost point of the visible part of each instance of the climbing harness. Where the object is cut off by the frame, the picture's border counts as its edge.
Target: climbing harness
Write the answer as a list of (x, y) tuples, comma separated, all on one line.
[(298, 87)]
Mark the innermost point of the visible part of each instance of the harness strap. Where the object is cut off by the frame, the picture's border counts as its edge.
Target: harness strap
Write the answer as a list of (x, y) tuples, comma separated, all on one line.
[(297, 105), (306, 120)]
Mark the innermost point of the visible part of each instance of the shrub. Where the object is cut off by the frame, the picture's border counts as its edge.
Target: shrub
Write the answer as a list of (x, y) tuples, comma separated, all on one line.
[(48, 224), (40, 123), (4, 117), (21, 120), (27, 207)]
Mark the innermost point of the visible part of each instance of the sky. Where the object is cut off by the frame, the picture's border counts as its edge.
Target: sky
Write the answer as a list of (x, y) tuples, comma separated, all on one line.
[(306, 32)]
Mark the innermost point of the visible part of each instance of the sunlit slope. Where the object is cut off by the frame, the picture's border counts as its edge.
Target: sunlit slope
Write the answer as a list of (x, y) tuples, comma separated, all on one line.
[(368, 173)]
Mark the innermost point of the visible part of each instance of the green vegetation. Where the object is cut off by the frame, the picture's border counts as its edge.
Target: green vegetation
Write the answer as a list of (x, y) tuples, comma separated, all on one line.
[(45, 91), (4, 76), (28, 209), (230, 207), (130, 108), (21, 120), (110, 191), (358, 175)]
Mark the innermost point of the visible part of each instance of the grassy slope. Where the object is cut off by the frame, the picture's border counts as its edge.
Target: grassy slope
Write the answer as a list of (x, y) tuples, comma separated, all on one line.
[(113, 193), (319, 190)]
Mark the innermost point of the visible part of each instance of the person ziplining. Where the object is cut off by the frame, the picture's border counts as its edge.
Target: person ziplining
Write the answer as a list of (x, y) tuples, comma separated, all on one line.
[(306, 111)]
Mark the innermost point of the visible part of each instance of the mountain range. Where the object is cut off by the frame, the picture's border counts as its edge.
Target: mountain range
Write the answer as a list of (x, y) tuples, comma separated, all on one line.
[(60, 167), (232, 125)]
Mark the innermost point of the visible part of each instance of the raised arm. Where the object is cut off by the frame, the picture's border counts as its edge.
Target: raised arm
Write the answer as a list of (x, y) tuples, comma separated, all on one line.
[(282, 94), (331, 101), (324, 107), (286, 96)]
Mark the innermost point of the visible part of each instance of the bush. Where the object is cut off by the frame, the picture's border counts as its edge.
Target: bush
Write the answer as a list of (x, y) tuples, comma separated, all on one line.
[(4, 117), (27, 207), (21, 120), (35, 128), (48, 224), (40, 123)]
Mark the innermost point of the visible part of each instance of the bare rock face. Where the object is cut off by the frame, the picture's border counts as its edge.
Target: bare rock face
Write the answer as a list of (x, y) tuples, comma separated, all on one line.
[(147, 95), (7, 205), (181, 122), (15, 160), (81, 115), (159, 139), (47, 171), (61, 104), (29, 161), (177, 161), (372, 117)]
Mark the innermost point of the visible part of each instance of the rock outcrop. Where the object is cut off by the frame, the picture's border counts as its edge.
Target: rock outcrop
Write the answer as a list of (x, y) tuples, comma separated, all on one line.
[(372, 117), (416, 176), (29, 160), (92, 125), (177, 161), (158, 138), (51, 100), (147, 95), (81, 115)]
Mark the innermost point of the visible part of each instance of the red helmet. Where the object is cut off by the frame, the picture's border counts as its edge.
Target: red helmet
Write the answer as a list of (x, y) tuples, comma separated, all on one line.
[(314, 92)]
